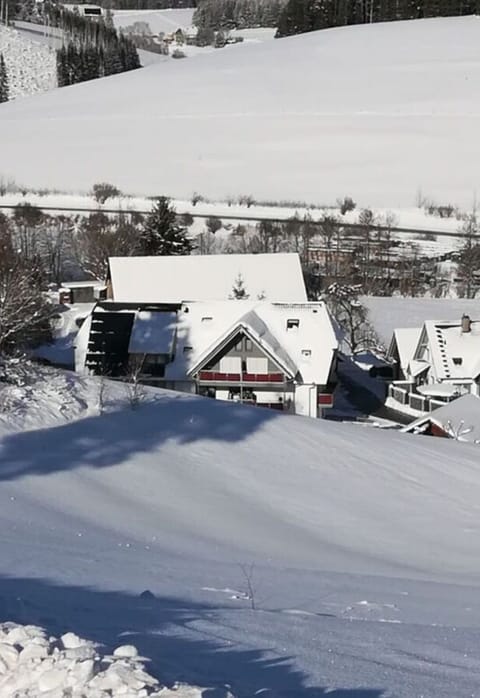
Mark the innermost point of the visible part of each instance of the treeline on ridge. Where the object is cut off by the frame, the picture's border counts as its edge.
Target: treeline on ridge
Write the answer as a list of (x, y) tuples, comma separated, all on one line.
[(237, 14), (299, 16)]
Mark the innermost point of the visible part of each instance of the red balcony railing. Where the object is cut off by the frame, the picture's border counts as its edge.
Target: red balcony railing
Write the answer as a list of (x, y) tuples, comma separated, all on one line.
[(244, 377)]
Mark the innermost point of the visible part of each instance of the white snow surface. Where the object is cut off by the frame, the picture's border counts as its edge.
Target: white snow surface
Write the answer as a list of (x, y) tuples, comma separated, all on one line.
[(166, 21), (361, 544), (358, 110), (389, 314), (31, 66)]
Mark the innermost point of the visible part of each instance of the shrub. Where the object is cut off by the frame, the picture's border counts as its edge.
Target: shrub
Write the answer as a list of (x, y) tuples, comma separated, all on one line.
[(103, 191)]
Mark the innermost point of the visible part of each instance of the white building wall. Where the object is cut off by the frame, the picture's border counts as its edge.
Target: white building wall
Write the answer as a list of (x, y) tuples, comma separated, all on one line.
[(306, 400), (81, 345)]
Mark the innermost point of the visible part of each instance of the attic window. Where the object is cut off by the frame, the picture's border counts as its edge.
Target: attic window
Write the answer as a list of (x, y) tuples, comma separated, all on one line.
[(186, 349), (207, 318), (293, 322), (457, 360), (306, 352)]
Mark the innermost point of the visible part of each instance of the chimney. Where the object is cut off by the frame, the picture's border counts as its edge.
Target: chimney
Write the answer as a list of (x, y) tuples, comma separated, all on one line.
[(466, 323)]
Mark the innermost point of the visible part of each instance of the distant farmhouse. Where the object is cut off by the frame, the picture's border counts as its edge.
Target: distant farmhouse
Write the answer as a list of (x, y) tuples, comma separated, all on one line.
[(84, 9), (436, 363), (272, 348)]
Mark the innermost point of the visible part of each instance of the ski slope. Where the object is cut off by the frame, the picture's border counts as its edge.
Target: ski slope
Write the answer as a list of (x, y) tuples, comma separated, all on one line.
[(361, 546), (377, 112)]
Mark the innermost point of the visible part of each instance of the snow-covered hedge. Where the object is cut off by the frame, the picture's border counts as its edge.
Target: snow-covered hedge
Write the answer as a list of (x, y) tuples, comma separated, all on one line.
[(34, 665), (31, 66)]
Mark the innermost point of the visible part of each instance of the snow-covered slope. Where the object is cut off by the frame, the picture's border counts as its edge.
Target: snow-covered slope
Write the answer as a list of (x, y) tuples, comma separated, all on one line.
[(166, 21), (30, 65), (216, 508), (374, 111), (388, 314)]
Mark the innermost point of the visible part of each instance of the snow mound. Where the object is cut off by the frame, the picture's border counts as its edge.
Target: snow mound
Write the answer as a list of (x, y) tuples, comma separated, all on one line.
[(31, 66), (32, 664)]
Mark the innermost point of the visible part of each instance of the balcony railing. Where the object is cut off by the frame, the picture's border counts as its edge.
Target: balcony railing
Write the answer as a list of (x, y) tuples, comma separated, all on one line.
[(219, 377)]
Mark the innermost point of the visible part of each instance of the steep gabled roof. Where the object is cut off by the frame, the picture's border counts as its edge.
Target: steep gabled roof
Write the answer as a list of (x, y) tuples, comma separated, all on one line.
[(275, 277), (454, 354), (307, 351), (406, 340)]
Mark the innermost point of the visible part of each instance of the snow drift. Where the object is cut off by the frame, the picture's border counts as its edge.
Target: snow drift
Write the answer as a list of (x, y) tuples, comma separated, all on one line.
[(32, 664), (374, 111)]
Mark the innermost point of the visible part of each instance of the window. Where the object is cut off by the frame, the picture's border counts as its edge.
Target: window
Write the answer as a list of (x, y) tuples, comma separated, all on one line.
[(293, 323), (186, 349), (207, 318), (239, 344), (248, 344), (306, 352), (457, 360)]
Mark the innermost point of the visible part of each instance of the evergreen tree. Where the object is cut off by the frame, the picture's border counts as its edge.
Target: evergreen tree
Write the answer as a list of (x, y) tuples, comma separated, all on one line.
[(4, 87), (239, 292), (162, 233)]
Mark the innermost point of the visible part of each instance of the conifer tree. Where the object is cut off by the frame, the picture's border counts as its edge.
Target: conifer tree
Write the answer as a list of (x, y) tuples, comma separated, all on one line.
[(4, 86), (162, 233), (239, 292)]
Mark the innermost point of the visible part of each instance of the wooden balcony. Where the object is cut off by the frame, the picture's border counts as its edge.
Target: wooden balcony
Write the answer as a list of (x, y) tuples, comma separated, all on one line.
[(244, 378)]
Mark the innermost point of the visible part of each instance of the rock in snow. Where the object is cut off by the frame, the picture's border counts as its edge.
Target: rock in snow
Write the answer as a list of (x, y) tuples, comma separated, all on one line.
[(33, 665)]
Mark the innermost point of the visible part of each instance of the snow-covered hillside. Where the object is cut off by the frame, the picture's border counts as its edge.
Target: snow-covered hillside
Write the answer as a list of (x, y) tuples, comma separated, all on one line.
[(31, 66), (388, 314), (376, 112), (213, 509), (166, 21)]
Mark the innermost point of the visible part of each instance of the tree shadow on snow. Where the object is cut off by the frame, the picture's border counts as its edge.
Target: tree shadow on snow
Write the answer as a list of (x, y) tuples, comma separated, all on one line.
[(103, 440), (181, 638)]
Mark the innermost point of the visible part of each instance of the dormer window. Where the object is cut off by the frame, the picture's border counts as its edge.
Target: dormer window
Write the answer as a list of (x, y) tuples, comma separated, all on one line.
[(187, 350), (293, 323), (306, 352), (457, 360), (207, 318)]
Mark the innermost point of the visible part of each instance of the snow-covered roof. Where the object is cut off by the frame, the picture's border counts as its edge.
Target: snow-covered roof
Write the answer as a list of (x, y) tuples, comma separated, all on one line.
[(91, 283), (454, 354), (461, 415), (275, 277), (406, 339), (306, 350), (152, 333)]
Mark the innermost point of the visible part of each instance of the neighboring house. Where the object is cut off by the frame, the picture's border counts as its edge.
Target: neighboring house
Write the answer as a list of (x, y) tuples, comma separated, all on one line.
[(459, 420), (402, 348), (437, 362), (279, 355), (72, 292), (173, 279)]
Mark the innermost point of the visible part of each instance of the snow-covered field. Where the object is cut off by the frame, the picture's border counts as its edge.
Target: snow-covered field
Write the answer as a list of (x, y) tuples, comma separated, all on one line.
[(375, 111), (31, 66), (361, 547), (388, 314), (166, 21)]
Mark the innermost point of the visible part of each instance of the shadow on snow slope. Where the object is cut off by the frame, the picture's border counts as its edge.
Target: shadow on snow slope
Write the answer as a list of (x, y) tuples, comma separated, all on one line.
[(162, 628), (103, 440)]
